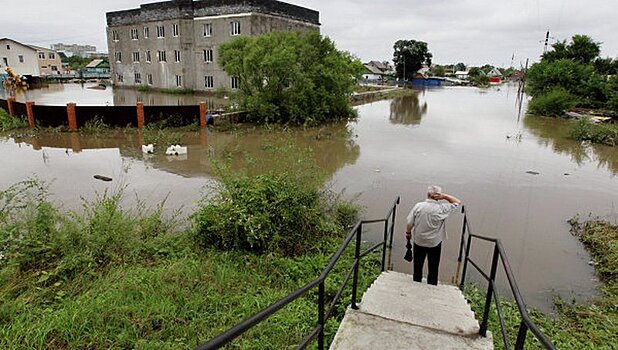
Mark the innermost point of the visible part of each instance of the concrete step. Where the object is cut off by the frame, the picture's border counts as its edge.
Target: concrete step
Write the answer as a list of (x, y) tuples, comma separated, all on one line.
[(360, 331), (398, 313)]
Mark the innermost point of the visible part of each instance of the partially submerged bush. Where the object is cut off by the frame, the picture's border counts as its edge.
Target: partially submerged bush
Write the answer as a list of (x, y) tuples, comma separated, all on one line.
[(585, 130), (8, 122), (551, 104)]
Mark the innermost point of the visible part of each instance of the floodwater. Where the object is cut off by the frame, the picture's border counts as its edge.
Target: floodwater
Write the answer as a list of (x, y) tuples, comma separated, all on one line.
[(519, 178), (85, 95)]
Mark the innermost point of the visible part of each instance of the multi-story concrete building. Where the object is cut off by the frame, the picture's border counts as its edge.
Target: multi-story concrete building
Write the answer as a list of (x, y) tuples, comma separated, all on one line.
[(28, 60), (75, 50), (174, 44)]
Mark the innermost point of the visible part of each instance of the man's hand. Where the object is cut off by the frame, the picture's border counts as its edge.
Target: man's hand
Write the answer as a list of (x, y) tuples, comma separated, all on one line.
[(408, 235)]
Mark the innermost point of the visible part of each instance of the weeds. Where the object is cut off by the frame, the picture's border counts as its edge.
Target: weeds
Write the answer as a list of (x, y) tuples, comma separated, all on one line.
[(8, 122), (585, 130)]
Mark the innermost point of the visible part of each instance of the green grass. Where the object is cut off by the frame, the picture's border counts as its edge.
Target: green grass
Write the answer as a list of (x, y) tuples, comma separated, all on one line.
[(590, 325), (585, 130), (8, 122)]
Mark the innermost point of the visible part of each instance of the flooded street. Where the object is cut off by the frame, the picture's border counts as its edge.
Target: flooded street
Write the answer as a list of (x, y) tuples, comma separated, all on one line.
[(518, 177)]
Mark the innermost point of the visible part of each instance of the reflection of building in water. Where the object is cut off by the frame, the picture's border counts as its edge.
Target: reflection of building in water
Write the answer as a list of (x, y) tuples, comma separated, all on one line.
[(407, 110)]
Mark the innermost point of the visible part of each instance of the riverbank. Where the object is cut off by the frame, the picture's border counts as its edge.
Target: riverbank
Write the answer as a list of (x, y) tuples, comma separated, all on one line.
[(588, 325)]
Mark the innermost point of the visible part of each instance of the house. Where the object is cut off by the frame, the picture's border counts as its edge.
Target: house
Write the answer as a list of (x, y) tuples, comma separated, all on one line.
[(462, 74), (495, 76), (28, 60), (174, 44), (98, 66), (372, 73)]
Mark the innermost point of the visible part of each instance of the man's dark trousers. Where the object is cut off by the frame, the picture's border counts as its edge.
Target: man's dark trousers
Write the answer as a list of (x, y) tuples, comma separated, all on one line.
[(433, 256)]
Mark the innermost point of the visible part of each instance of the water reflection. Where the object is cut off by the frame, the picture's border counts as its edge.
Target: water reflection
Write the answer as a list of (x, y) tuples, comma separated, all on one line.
[(332, 147), (553, 133), (407, 110)]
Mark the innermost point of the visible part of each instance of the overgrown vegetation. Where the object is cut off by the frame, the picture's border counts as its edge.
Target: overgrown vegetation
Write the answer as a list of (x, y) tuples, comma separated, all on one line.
[(592, 325), (577, 69), (8, 122), (552, 104), (291, 78), (586, 130), (111, 277)]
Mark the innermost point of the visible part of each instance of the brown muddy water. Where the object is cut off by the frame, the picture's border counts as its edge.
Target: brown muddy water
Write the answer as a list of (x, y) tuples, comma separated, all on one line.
[(520, 178)]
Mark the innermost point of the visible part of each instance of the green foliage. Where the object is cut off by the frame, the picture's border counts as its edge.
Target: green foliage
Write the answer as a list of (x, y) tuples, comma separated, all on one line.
[(439, 71), (94, 125), (291, 77), (585, 130), (409, 56), (178, 91), (8, 122), (475, 72), (552, 104), (480, 80), (283, 211), (77, 62), (161, 136), (460, 66), (582, 49)]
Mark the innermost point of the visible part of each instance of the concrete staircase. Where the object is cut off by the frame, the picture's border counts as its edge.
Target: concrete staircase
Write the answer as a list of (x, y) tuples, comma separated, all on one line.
[(398, 313)]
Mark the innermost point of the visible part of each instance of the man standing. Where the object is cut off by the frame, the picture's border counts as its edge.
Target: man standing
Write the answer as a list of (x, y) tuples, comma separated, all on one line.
[(427, 219)]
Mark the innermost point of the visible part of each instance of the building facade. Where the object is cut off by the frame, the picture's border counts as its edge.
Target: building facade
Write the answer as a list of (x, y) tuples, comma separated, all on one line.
[(28, 60), (71, 50), (174, 44)]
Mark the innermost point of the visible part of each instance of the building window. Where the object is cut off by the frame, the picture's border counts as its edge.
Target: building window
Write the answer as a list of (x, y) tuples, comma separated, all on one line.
[(179, 80), (161, 55), (6, 61), (54, 68), (120, 78), (52, 56), (146, 32), (8, 47), (134, 34), (136, 57), (21, 58), (148, 58), (177, 57), (42, 55), (160, 32), (234, 28), (149, 79), (174, 29), (138, 78), (235, 82), (208, 55), (209, 82), (115, 36), (118, 56), (207, 29)]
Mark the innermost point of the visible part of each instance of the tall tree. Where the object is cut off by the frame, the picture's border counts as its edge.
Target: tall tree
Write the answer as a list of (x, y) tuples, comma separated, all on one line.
[(409, 57), (291, 77), (581, 49)]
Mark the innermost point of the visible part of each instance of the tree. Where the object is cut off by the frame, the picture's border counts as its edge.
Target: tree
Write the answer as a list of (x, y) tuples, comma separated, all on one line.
[(439, 71), (460, 66), (581, 49), (409, 57), (292, 77)]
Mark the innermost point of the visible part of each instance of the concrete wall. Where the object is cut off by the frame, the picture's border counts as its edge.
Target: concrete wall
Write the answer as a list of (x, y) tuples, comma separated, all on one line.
[(191, 42), (30, 66)]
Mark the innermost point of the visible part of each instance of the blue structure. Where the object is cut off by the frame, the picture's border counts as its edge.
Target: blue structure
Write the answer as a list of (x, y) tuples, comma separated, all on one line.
[(433, 82)]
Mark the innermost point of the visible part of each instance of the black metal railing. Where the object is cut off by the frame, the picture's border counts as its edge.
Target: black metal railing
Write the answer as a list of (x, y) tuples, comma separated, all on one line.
[(526, 323), (323, 314)]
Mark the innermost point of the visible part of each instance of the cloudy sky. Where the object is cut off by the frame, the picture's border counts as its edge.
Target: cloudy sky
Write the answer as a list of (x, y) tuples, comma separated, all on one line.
[(471, 31)]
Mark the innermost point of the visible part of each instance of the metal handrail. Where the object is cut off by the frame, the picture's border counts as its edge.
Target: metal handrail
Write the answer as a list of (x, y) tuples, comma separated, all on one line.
[(323, 316), (499, 253)]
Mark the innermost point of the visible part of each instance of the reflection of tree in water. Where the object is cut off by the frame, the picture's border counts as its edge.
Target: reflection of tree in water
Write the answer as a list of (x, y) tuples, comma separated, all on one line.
[(407, 110), (554, 132)]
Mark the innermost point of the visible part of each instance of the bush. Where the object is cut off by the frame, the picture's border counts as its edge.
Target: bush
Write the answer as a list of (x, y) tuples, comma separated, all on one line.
[(551, 104), (585, 130), (8, 122)]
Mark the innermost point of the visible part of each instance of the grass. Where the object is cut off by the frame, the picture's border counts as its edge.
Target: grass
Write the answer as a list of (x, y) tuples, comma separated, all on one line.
[(591, 325), (113, 277), (8, 122)]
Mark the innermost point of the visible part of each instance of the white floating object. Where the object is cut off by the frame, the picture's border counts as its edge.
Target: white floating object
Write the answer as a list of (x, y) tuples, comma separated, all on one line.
[(175, 150), (148, 149)]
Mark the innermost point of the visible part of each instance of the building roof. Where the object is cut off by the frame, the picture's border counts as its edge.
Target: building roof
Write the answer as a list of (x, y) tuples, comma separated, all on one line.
[(372, 69), (188, 9), (462, 72), (18, 43), (381, 66), (94, 63), (39, 48)]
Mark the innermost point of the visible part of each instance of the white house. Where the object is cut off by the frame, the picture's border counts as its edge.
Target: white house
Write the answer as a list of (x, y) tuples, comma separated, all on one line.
[(462, 74), (22, 58)]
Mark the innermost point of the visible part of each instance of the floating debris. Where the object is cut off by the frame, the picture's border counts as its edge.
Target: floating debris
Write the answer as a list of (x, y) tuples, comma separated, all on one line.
[(148, 149), (176, 150), (103, 178), (532, 172)]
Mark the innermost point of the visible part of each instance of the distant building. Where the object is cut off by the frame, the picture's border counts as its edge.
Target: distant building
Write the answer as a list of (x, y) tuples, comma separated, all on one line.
[(28, 60), (71, 50), (97, 66), (174, 44), (462, 74), (372, 73)]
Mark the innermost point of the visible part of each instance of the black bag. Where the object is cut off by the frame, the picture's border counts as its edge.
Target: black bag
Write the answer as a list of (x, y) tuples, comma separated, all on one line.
[(408, 256)]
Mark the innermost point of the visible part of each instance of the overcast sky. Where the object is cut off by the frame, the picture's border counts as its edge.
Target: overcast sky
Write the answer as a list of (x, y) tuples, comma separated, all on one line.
[(470, 31)]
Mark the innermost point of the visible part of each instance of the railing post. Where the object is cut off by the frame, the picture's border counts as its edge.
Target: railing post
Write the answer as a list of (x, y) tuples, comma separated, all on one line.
[(11, 110), (140, 115), (359, 230), (203, 108), (392, 230), (521, 336), (492, 281), (321, 315), (465, 266), (71, 116), (30, 113), (463, 233), (384, 244)]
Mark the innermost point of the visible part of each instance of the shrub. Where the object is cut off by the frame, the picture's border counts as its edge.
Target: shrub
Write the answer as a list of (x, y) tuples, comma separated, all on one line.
[(585, 130), (8, 122), (552, 104)]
